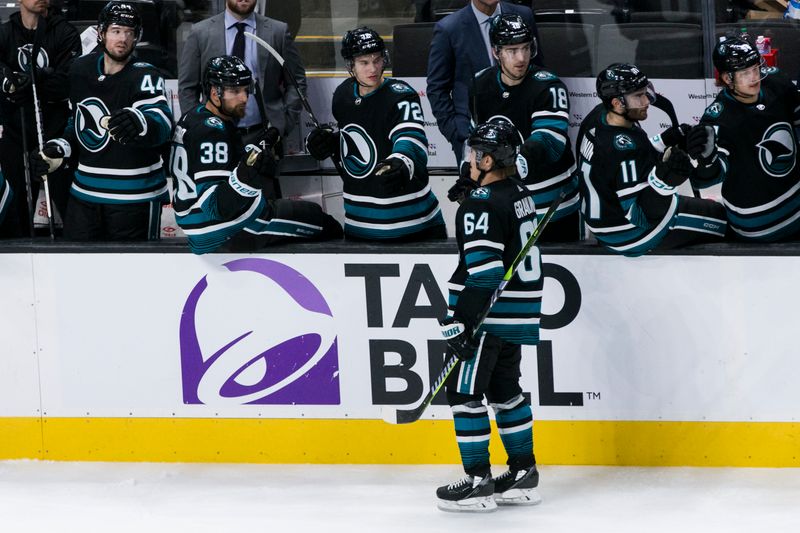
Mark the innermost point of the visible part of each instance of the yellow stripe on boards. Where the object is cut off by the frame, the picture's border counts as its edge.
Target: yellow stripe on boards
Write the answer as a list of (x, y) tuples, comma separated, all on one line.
[(20, 438), (749, 444)]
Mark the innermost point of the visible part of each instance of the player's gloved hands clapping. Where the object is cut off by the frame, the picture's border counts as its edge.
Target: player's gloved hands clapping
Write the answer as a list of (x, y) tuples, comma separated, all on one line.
[(701, 143), (394, 172), (126, 124), (674, 167), (47, 160), (322, 143), (459, 338), (676, 135), (16, 87)]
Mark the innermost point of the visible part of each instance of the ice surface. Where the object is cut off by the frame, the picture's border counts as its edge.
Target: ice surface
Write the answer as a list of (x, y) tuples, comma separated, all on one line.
[(146, 498)]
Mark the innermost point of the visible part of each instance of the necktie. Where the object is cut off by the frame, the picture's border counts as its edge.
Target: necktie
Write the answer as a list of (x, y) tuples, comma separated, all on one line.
[(486, 25), (238, 41)]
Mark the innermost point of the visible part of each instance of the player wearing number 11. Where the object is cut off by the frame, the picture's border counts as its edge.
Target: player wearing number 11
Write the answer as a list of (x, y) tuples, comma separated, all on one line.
[(380, 149)]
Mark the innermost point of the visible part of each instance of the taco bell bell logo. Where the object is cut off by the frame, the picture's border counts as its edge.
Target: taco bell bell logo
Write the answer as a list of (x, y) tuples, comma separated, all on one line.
[(258, 332)]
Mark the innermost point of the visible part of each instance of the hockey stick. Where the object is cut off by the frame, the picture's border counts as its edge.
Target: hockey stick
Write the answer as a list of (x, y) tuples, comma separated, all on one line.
[(27, 169), (282, 62), (406, 416), (665, 104)]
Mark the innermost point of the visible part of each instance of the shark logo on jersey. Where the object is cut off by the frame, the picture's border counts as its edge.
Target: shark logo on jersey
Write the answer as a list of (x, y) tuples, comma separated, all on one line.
[(481, 193), (91, 134), (776, 151), (24, 57), (714, 110), (214, 122), (623, 142), (401, 88), (544, 75), (359, 154)]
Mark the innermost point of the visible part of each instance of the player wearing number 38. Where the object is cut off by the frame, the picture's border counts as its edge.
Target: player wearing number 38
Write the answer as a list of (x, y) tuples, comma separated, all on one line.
[(120, 119), (380, 149)]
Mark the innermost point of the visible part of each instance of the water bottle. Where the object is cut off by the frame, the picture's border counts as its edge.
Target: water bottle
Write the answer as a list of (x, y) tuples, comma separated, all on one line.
[(764, 45), (792, 10)]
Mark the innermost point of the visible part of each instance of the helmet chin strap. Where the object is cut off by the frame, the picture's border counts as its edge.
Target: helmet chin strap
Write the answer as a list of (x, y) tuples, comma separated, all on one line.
[(220, 108), (353, 74)]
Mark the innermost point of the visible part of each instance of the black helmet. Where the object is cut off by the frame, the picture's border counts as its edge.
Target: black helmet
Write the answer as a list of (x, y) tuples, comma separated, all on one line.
[(362, 41), (225, 71), (619, 79), (121, 14), (497, 138), (509, 29), (735, 53)]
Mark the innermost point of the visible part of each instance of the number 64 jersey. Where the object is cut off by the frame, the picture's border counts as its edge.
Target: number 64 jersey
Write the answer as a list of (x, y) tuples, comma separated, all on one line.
[(492, 225)]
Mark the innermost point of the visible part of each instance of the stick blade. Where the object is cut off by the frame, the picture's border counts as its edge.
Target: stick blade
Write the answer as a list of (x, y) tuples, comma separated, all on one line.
[(391, 415)]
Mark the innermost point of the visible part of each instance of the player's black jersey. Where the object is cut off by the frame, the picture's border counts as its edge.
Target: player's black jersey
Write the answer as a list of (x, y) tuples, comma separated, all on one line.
[(386, 121), (492, 225), (757, 159), (59, 47), (539, 108), (108, 171), (620, 199)]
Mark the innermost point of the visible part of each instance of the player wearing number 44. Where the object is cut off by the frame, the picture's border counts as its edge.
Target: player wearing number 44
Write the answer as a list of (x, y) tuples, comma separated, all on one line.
[(493, 224), (380, 149), (629, 182), (120, 119)]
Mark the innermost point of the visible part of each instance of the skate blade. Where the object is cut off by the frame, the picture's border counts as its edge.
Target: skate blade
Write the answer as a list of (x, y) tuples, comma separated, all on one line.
[(484, 504), (519, 497)]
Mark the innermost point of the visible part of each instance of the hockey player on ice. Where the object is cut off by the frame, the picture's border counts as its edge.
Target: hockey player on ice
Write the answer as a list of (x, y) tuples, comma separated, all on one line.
[(629, 182), (380, 148), (536, 101), (748, 140), (493, 223), (219, 198)]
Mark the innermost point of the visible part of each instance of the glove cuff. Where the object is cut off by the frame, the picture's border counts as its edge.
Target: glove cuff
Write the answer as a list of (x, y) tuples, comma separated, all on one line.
[(140, 117), (240, 187), (660, 186), (406, 161), (63, 145)]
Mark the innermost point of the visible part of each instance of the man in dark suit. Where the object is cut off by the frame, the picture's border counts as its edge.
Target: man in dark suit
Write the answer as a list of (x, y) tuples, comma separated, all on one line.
[(460, 48), (217, 36)]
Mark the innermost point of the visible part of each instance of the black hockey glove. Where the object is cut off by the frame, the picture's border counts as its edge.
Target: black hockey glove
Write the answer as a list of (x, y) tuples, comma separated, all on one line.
[(16, 87), (701, 143), (48, 159), (322, 143), (395, 172), (271, 142), (126, 124), (676, 136), (459, 338), (674, 167), (464, 184)]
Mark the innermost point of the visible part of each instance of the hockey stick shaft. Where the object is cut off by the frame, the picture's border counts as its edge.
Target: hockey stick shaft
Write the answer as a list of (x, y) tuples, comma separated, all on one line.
[(665, 104), (27, 169), (405, 416), (37, 111)]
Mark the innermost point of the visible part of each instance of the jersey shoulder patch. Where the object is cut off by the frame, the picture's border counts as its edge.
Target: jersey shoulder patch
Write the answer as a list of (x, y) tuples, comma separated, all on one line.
[(714, 110), (143, 64), (624, 142), (481, 193), (214, 122), (544, 75), (400, 87)]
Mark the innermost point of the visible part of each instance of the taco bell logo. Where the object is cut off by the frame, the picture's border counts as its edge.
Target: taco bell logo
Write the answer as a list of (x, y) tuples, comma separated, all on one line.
[(258, 332)]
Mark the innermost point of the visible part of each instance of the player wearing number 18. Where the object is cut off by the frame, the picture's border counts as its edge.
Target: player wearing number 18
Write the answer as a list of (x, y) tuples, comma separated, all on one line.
[(380, 149), (493, 224), (120, 120)]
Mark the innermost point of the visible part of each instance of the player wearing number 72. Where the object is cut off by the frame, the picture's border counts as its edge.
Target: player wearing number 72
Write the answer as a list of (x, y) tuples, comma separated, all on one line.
[(382, 148)]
